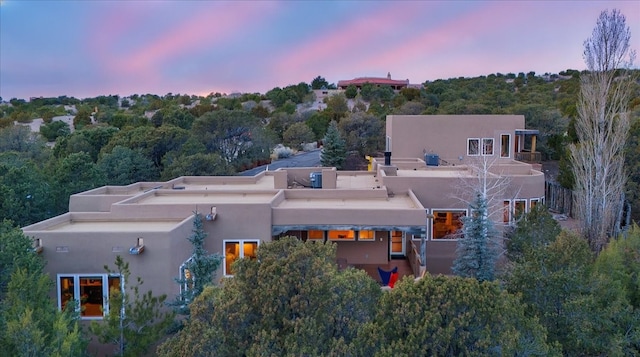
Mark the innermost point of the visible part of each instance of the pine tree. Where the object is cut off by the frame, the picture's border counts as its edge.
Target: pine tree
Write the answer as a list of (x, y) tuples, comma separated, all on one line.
[(135, 320), (334, 151), (477, 251), (199, 269)]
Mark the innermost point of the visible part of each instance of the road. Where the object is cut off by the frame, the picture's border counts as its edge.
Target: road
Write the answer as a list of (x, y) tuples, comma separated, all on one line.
[(306, 159)]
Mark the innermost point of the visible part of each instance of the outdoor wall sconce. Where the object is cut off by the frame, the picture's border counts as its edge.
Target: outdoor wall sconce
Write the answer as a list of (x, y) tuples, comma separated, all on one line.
[(37, 246), (138, 249), (211, 215)]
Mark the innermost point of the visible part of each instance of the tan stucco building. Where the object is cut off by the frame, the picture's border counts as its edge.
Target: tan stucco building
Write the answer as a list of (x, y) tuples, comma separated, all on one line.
[(373, 216)]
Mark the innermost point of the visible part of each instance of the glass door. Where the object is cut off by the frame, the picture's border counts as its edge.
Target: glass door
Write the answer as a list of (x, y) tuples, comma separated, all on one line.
[(397, 244)]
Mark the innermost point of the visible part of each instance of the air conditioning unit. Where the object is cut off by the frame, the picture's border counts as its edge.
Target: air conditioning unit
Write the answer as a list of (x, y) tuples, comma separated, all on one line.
[(316, 179), (432, 159)]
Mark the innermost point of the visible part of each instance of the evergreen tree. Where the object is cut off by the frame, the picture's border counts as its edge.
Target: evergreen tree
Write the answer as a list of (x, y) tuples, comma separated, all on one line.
[(135, 320), (477, 251), (537, 228), (30, 323), (199, 270), (334, 150)]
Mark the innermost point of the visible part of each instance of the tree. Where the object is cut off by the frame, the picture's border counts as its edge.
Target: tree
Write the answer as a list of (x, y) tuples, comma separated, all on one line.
[(124, 166), (334, 148), (51, 131), (481, 243), (199, 270), (297, 135), (291, 300), (364, 133), (226, 132), (351, 92), (452, 316), (199, 164), (73, 174), (536, 229), (319, 82), (82, 119), (30, 323), (135, 320), (477, 251), (337, 106), (602, 127)]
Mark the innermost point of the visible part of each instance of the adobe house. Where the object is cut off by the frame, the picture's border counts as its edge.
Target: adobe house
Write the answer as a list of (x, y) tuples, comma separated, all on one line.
[(375, 81), (407, 198)]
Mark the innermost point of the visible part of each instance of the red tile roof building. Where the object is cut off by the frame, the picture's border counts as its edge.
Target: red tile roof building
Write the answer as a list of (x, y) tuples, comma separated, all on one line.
[(376, 81)]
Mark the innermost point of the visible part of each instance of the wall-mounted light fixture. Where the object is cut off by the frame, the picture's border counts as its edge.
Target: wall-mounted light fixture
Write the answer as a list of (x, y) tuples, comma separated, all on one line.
[(211, 215), (138, 248), (37, 245)]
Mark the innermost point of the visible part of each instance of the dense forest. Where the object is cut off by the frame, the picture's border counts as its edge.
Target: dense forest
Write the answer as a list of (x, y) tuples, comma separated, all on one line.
[(109, 140)]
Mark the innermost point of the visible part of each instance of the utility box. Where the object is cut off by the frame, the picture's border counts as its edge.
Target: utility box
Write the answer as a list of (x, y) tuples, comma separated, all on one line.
[(316, 179), (432, 159)]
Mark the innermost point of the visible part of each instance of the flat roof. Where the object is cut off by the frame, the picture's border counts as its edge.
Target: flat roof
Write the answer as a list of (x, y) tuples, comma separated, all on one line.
[(357, 181), (220, 183), (456, 173), (182, 197), (396, 202), (114, 226)]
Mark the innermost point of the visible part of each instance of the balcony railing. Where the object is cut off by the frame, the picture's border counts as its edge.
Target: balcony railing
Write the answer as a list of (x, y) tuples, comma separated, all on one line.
[(526, 156)]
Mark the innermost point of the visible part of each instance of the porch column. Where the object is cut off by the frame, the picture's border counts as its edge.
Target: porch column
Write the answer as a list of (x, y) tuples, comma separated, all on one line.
[(533, 143)]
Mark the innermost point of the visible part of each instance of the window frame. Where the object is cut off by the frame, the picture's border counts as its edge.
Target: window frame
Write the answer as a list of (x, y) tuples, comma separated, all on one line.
[(435, 212), (241, 243), (508, 146), (349, 237), (360, 239), (469, 140), (517, 215), (485, 146), (76, 291)]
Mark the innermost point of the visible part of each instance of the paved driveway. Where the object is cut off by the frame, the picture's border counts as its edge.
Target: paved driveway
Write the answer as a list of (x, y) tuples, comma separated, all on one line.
[(306, 159)]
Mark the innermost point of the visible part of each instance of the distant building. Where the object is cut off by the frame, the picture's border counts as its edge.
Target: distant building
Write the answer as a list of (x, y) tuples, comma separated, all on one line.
[(376, 81)]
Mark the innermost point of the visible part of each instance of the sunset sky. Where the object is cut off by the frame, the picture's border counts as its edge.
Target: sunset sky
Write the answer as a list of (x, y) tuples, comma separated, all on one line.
[(90, 48)]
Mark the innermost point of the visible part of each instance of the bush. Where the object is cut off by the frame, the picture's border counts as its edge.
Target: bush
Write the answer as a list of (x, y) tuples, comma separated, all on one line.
[(282, 152)]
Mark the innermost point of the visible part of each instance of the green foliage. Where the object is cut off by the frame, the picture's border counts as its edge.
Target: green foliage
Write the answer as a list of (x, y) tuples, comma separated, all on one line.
[(334, 148), (124, 166), (82, 119), (20, 139), (201, 267), (199, 164), (226, 132), (620, 261), (337, 106), (291, 300), (477, 251), (73, 174), (136, 319), (90, 140), (53, 130), (30, 324), (452, 316), (297, 134), (363, 132), (351, 92), (533, 231), (632, 166), (319, 82)]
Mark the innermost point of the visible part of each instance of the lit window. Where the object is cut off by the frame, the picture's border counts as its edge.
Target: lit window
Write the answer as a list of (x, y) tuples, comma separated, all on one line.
[(533, 202), (473, 147), (341, 235), (234, 250), (186, 276), (366, 235), (447, 224), (487, 146), (91, 293), (505, 145), (316, 235)]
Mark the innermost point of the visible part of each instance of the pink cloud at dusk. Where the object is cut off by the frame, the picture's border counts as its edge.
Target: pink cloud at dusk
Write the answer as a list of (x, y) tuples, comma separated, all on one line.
[(106, 47)]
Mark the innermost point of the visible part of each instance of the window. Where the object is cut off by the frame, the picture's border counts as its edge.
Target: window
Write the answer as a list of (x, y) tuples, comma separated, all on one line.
[(90, 291), (506, 212), (473, 147), (505, 145), (533, 202), (316, 235), (341, 235), (368, 236), (487, 146), (520, 208), (186, 276), (237, 249), (447, 224)]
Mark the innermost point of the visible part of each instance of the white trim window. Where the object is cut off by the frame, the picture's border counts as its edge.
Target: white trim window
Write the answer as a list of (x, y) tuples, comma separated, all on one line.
[(519, 208), (235, 249), (533, 202), (90, 291), (447, 223), (473, 147), (487, 146), (366, 236), (186, 276)]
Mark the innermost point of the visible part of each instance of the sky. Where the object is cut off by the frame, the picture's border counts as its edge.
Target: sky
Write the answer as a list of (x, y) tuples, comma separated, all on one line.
[(90, 48)]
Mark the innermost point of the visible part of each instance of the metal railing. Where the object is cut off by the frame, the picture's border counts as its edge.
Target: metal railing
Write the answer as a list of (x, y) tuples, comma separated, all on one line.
[(529, 156)]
